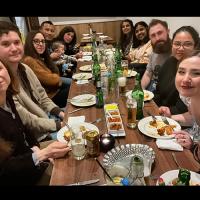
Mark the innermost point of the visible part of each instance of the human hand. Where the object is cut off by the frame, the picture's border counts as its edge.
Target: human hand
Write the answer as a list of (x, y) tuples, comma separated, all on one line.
[(184, 139), (79, 55), (61, 115), (163, 110), (55, 56)]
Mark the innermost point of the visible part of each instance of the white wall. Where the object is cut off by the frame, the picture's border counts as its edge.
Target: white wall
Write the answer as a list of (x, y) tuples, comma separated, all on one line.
[(173, 22)]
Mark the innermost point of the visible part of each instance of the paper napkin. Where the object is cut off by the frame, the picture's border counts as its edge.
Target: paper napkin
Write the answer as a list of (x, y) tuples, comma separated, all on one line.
[(170, 144), (76, 120)]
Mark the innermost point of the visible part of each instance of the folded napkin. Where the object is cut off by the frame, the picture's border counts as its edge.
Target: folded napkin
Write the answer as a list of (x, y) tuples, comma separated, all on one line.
[(79, 82), (170, 144), (76, 120)]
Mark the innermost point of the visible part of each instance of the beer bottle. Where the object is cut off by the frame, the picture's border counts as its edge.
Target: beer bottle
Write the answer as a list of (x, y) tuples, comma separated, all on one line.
[(118, 60), (99, 95), (183, 177), (96, 69), (138, 94)]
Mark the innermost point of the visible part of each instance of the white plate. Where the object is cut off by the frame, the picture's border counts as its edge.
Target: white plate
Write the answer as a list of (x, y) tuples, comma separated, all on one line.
[(169, 176), (131, 73), (86, 34), (87, 53), (99, 33), (147, 95), (122, 155), (82, 76), (88, 126), (86, 68), (83, 100), (150, 131), (103, 36), (85, 58), (86, 38)]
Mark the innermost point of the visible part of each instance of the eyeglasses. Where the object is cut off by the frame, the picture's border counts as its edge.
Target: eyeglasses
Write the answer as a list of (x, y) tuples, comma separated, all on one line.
[(185, 45), (36, 41)]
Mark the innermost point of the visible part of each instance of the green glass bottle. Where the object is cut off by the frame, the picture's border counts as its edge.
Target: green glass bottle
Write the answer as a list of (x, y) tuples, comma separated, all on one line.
[(96, 69), (183, 177), (138, 94), (99, 95), (118, 61)]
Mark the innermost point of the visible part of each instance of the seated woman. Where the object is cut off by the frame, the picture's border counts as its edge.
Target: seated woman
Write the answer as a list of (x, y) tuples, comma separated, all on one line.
[(127, 37), (37, 58), (184, 42), (22, 162), (188, 85), (32, 102), (139, 55)]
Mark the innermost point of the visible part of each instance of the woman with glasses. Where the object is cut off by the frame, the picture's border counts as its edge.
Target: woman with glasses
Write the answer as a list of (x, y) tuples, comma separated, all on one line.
[(185, 40), (38, 59)]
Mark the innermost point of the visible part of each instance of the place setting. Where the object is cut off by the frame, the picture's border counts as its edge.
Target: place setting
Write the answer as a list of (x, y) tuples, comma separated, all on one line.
[(148, 95)]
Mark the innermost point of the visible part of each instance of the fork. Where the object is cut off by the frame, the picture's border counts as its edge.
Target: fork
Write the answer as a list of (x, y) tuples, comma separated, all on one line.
[(175, 160), (96, 121), (164, 119)]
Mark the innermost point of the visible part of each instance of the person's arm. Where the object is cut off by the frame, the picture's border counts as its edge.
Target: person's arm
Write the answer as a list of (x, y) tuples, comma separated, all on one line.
[(184, 119), (146, 79)]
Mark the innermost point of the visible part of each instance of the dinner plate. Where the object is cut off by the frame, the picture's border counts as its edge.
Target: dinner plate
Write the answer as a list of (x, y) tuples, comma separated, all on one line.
[(88, 127), (87, 53), (121, 155), (103, 36), (83, 100), (86, 34), (169, 176), (86, 38), (147, 95), (131, 73), (147, 129), (86, 68), (82, 76)]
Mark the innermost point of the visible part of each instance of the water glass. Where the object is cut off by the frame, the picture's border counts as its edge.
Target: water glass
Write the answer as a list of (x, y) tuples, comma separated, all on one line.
[(131, 105), (78, 144)]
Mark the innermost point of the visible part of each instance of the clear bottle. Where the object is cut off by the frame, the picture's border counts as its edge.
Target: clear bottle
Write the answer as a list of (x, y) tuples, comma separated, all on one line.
[(96, 69), (138, 94)]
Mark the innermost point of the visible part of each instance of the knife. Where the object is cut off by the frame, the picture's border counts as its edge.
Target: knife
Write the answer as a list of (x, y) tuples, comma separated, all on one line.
[(89, 182)]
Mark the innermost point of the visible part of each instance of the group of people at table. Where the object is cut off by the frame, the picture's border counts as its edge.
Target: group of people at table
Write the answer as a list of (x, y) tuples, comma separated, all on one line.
[(32, 92)]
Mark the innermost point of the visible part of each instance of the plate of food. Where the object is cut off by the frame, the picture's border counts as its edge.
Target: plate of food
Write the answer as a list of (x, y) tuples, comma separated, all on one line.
[(83, 100), (87, 53), (131, 73), (147, 95), (86, 68), (82, 76), (170, 178), (64, 135), (121, 155), (157, 128)]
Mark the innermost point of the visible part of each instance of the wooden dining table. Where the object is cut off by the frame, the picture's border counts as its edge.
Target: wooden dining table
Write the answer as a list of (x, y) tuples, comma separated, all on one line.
[(67, 170)]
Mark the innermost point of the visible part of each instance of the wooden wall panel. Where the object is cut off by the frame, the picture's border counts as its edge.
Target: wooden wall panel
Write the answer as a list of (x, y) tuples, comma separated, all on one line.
[(111, 29)]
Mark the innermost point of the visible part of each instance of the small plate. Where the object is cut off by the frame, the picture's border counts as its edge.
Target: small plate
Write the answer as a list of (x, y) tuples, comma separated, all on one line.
[(87, 53), (86, 37), (169, 176), (86, 68), (147, 95), (83, 100), (121, 155), (131, 73), (150, 131), (86, 34), (88, 127), (82, 76)]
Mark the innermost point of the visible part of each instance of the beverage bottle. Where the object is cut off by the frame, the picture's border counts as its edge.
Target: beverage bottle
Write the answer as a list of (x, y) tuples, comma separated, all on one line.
[(118, 60), (99, 94), (94, 42), (96, 69), (138, 94)]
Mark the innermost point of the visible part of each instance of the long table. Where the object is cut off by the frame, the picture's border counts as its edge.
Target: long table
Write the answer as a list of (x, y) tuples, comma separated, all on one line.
[(67, 170)]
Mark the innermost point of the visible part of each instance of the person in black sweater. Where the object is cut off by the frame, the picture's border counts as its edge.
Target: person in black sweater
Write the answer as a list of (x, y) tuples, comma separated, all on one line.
[(22, 162), (184, 42)]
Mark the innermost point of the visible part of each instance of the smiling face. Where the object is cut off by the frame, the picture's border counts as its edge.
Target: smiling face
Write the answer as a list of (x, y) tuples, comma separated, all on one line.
[(4, 78), (140, 32), (188, 77), (68, 37), (126, 27), (11, 48), (48, 30), (39, 43), (183, 45)]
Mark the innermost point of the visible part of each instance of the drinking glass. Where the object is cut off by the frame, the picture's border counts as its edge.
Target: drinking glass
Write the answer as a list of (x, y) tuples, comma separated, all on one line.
[(122, 85), (125, 67), (131, 105), (78, 144)]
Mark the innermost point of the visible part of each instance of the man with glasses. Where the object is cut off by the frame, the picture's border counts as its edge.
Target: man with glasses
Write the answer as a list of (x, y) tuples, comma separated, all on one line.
[(161, 44)]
